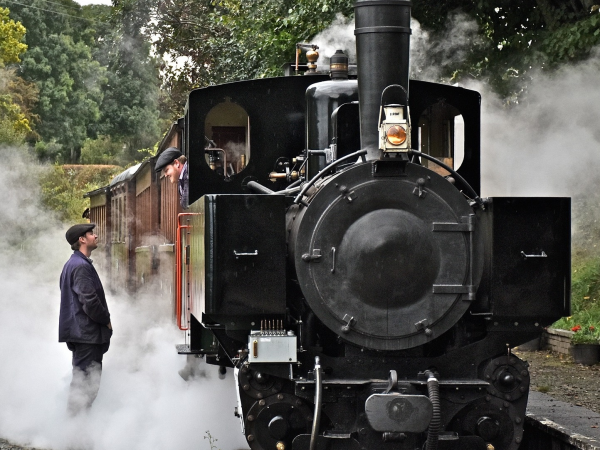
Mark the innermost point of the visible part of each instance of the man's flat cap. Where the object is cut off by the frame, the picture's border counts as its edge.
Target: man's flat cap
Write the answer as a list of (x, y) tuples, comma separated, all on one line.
[(78, 230), (167, 157)]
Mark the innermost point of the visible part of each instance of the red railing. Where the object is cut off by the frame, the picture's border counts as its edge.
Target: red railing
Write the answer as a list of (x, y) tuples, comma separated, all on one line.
[(179, 269)]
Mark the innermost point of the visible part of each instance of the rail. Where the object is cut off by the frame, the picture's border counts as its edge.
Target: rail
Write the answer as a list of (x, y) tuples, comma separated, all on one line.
[(179, 269)]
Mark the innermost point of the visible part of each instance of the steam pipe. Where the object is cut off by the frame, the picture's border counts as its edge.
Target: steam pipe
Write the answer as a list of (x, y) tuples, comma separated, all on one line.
[(433, 389), (454, 173), (257, 187), (360, 153), (318, 403)]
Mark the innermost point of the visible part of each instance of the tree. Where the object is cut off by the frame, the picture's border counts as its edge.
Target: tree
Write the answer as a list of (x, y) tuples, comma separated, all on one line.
[(16, 96), (95, 75), (11, 35), (102, 151), (60, 63), (70, 90), (187, 36), (209, 42), (130, 106), (63, 187), (518, 37)]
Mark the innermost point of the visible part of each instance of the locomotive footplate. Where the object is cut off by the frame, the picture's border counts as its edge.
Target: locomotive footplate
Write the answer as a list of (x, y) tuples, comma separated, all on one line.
[(306, 387), (184, 349), (445, 442)]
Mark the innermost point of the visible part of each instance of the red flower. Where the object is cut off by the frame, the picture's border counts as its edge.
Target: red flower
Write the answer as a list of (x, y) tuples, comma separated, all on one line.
[(576, 328), (592, 328)]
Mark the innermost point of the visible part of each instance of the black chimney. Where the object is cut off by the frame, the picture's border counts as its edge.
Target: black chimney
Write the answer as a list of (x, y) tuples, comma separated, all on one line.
[(382, 44)]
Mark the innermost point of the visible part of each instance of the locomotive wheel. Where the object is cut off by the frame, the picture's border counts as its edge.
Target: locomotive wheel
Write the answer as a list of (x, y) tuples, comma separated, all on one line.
[(277, 419), (509, 377), (257, 384), (495, 421)]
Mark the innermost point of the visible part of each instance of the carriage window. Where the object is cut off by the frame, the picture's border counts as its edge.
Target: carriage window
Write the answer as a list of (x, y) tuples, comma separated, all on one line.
[(227, 129), (442, 135)]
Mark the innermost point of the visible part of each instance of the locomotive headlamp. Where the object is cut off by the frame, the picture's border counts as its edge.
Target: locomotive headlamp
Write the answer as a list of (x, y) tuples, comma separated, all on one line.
[(394, 131), (396, 135)]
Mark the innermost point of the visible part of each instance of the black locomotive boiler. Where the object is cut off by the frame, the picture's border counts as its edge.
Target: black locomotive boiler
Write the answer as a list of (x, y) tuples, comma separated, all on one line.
[(338, 256)]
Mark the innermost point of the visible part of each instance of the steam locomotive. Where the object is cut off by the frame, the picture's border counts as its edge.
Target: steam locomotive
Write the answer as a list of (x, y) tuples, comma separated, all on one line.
[(336, 253)]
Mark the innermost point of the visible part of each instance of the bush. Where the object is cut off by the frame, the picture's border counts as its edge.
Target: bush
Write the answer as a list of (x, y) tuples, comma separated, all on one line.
[(585, 335), (9, 135), (63, 188), (51, 152), (585, 294), (102, 151)]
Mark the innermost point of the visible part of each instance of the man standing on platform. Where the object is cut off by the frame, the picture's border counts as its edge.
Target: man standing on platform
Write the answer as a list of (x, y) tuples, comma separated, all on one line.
[(84, 322)]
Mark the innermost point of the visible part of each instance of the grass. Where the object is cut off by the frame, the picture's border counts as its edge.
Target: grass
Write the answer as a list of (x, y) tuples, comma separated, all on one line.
[(585, 292)]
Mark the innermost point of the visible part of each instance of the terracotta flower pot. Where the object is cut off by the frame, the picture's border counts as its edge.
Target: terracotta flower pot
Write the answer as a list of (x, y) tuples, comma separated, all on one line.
[(586, 354)]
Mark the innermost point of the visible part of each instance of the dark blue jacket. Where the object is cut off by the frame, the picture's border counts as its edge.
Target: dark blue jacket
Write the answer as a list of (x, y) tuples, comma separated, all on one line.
[(84, 315)]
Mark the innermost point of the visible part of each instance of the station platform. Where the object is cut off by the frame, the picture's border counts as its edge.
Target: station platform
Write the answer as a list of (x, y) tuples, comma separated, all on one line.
[(556, 425)]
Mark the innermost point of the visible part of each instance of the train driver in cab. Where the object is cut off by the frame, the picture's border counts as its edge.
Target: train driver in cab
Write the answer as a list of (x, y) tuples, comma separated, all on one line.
[(174, 166)]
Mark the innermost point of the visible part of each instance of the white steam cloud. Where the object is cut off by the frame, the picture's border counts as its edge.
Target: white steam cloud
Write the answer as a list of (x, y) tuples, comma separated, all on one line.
[(428, 57), (143, 402), (548, 145), (338, 36)]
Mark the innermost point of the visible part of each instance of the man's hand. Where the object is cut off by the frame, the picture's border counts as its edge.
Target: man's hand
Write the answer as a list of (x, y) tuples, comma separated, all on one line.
[(109, 326)]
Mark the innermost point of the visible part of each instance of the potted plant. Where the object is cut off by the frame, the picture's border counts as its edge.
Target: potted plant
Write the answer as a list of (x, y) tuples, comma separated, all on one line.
[(585, 345)]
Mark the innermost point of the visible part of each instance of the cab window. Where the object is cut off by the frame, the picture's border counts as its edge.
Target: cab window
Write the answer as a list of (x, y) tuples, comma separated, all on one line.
[(227, 147), (442, 135)]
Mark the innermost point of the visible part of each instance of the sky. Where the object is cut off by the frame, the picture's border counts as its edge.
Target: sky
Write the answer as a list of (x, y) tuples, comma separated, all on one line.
[(94, 2)]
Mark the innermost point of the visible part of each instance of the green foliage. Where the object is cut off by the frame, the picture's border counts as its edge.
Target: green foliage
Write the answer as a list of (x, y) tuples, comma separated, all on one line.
[(14, 122), (521, 37), (211, 440), (585, 296), (70, 90), (216, 41), (572, 41), (9, 135), (266, 31), (11, 35), (101, 151), (63, 187), (95, 75), (586, 334), (23, 94), (130, 106), (48, 151), (60, 63)]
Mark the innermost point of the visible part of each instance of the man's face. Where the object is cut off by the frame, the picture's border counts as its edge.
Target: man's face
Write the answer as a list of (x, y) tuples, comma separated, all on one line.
[(173, 170), (90, 239)]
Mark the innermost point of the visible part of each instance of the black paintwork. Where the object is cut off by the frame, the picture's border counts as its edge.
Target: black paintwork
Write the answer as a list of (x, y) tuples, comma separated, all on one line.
[(277, 129)]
